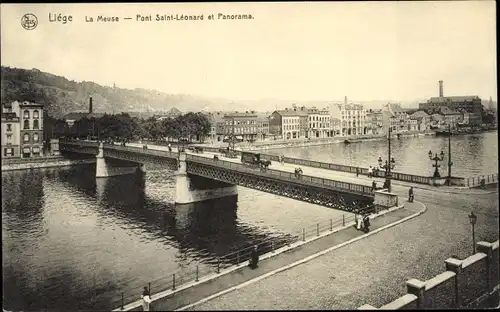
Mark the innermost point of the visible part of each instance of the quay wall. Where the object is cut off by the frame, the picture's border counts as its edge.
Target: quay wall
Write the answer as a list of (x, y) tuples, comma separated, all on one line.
[(472, 282), (46, 162)]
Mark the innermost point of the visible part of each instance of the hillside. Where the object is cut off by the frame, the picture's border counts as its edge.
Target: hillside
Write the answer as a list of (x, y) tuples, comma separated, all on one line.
[(61, 96)]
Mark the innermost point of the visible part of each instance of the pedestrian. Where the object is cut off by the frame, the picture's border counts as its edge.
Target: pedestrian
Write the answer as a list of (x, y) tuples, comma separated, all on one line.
[(359, 221), (146, 299), (374, 185), (254, 260), (366, 223), (357, 172), (410, 195), (370, 170)]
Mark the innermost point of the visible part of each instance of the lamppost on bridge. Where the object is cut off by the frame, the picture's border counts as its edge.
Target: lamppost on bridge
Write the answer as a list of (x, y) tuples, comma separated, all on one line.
[(389, 164), (473, 219), (436, 165)]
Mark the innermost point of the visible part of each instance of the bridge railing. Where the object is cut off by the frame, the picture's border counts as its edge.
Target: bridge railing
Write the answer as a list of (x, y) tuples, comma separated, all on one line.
[(152, 152), (79, 142), (476, 181), (326, 183), (214, 265), (351, 169)]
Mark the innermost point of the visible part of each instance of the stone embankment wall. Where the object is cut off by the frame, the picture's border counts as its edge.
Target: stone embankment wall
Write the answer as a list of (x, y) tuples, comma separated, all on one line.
[(472, 282), (48, 162)]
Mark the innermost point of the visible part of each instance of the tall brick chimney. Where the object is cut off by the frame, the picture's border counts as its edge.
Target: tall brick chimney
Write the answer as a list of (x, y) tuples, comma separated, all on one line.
[(440, 88), (90, 105)]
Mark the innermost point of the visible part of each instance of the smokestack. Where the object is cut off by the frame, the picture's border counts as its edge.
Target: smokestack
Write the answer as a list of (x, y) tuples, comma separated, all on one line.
[(90, 105), (345, 100), (440, 88)]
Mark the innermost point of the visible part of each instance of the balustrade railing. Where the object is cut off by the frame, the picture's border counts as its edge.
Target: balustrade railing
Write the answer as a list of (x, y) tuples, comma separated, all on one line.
[(272, 173), (231, 260), (479, 180)]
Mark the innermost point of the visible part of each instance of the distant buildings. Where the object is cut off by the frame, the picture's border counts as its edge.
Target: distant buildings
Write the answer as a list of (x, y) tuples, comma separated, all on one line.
[(352, 118), (22, 130), (462, 104), (289, 123), (319, 123), (374, 121), (172, 113), (243, 125), (73, 117)]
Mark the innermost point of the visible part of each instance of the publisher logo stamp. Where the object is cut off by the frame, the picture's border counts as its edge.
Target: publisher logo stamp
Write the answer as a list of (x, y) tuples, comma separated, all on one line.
[(29, 21)]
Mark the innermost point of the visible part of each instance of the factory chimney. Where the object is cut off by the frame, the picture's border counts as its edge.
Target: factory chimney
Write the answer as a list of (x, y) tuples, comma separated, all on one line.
[(345, 100), (440, 88), (90, 105)]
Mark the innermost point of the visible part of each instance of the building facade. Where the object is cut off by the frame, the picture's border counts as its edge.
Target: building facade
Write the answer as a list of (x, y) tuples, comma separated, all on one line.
[(397, 118), (22, 130), (243, 125), (289, 123), (262, 127), (352, 118), (11, 130), (318, 123), (423, 120), (31, 123), (374, 121)]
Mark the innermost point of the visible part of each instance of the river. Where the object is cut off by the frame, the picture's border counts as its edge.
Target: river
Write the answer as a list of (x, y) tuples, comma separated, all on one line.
[(70, 242)]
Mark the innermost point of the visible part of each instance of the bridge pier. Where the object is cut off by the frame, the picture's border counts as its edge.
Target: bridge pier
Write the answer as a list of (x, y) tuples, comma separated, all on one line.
[(104, 169), (185, 194)]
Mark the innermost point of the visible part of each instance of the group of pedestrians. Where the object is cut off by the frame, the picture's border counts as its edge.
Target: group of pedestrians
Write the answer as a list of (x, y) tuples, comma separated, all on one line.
[(362, 222)]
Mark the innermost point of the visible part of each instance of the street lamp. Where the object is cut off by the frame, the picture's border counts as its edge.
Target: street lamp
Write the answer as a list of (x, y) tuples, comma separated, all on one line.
[(436, 159), (450, 163), (389, 164), (472, 219)]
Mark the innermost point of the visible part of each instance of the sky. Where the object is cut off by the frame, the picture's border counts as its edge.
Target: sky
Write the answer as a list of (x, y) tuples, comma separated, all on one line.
[(301, 51)]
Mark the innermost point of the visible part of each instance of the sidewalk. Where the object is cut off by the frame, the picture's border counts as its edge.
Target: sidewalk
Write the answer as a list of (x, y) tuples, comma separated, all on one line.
[(297, 252)]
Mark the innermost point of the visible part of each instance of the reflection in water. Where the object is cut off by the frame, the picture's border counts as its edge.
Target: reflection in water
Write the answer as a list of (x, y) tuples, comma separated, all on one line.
[(73, 241)]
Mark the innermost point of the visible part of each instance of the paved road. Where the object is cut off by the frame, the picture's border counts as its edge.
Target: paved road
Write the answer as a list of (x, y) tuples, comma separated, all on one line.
[(374, 270)]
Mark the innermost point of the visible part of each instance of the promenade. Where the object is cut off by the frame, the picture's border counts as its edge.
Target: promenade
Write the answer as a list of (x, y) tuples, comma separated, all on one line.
[(284, 259)]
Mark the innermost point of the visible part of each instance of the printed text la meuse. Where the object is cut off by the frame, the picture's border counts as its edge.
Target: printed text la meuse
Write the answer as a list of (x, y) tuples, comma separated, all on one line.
[(102, 18)]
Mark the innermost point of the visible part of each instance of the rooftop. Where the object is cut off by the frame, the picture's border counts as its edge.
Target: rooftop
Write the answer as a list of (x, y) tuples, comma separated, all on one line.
[(453, 99)]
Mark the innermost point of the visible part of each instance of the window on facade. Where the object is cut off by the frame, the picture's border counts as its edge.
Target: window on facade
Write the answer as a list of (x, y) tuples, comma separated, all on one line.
[(26, 114), (26, 138), (9, 138), (9, 127), (26, 124), (35, 137), (35, 124), (35, 114)]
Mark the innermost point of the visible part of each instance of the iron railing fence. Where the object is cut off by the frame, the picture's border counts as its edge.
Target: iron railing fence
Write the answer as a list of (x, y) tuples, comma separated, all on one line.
[(215, 265)]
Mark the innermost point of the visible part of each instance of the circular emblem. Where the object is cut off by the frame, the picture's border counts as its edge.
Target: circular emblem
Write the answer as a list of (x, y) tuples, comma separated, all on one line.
[(29, 21)]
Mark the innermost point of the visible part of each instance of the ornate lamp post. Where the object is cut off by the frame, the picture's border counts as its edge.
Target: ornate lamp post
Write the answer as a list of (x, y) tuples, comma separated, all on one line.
[(472, 219), (436, 165), (389, 164)]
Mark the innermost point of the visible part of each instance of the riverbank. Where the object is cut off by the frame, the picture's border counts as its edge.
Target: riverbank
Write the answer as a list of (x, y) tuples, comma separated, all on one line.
[(37, 163), (275, 144), (275, 261)]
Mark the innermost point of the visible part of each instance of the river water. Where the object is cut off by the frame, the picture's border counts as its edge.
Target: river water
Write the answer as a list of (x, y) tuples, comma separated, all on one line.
[(70, 242), (472, 155)]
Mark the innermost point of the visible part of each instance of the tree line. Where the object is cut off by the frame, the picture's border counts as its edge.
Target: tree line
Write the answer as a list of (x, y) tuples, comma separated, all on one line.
[(123, 127)]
